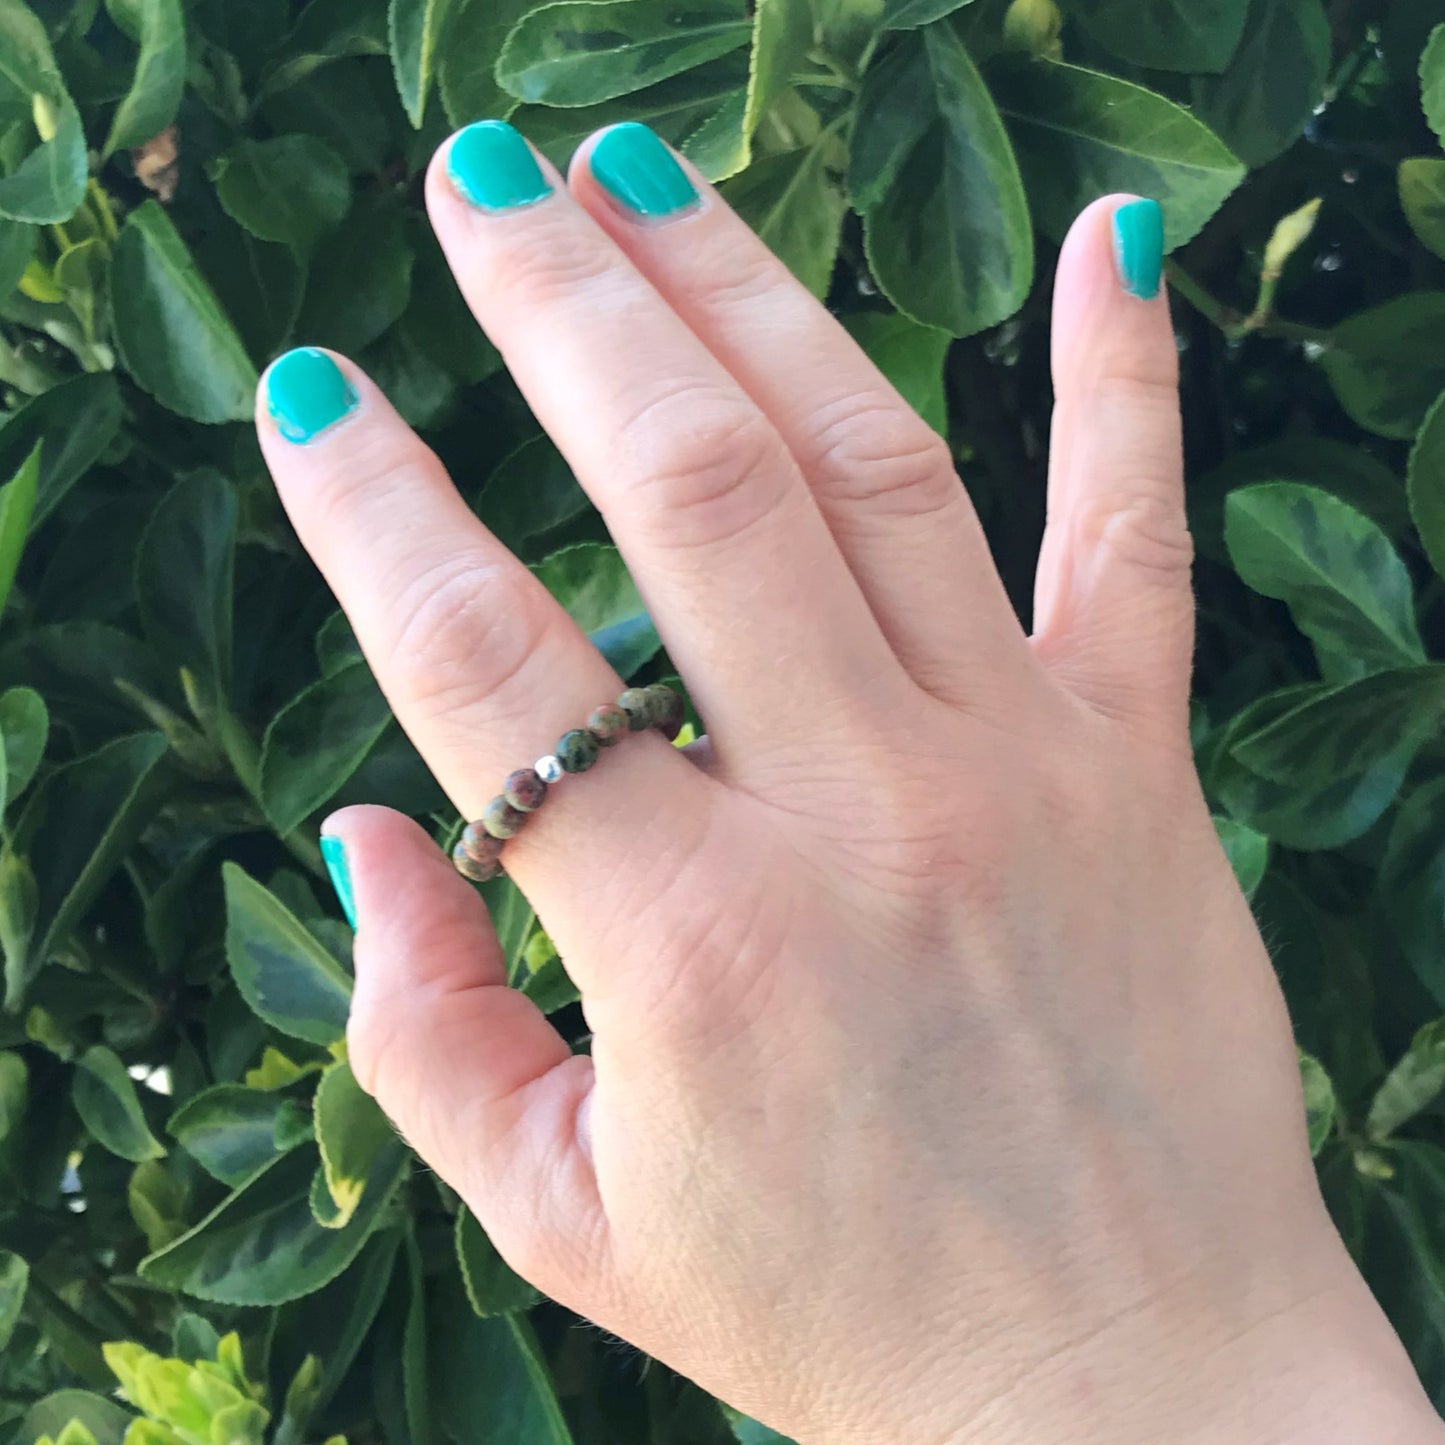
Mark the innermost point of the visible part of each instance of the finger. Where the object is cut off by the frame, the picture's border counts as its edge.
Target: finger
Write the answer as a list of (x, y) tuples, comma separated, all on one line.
[(884, 479), (1114, 606), (481, 666), (469, 1070), (747, 587)]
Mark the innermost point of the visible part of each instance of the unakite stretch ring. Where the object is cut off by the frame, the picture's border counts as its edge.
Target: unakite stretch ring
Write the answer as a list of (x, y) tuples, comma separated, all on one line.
[(478, 854)]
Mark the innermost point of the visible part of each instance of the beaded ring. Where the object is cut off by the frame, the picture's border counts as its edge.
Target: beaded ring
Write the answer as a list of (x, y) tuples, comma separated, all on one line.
[(478, 854)]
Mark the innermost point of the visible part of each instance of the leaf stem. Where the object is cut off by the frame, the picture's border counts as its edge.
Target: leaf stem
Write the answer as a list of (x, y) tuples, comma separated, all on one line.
[(1236, 325)]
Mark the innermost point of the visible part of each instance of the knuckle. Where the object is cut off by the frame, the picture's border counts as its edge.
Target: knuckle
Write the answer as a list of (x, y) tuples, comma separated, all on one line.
[(706, 465), (1141, 526), (554, 258), (873, 452)]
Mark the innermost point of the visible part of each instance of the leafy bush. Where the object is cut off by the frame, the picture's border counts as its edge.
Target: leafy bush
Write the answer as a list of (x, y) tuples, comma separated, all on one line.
[(187, 186)]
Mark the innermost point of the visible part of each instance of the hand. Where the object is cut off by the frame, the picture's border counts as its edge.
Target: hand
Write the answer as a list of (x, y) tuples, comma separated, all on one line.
[(940, 1089)]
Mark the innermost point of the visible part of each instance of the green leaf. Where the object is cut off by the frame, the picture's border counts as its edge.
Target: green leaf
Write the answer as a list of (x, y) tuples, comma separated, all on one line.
[(157, 1201), (796, 203), (492, 1286), (592, 582), (106, 1100), (83, 275), (1262, 102), (360, 279), (1422, 195), (76, 828), (260, 1245), (318, 741), (352, 1133), (1411, 890), (184, 569), (531, 493), (17, 246), (910, 356), (328, 30), (288, 977), (1247, 851), (291, 189), (48, 185), (1426, 485), (582, 52), (749, 1432), (782, 37), (1345, 585), (17, 507), (103, 1418), (1192, 35), (14, 1280), (172, 334), (1320, 1103), (160, 77), (14, 1093), (229, 1130), (1411, 1086), (77, 421), (416, 29), (1432, 81), (945, 215), (1386, 364), (468, 66), (1080, 135)]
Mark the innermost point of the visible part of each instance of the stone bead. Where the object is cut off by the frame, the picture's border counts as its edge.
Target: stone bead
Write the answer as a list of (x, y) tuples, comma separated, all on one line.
[(501, 819), (525, 790), (468, 866), (549, 769), (636, 702), (669, 712), (608, 724), (577, 751), (480, 846)]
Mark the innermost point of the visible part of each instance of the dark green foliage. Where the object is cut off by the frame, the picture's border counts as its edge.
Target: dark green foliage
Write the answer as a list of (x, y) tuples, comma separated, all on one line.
[(183, 1148)]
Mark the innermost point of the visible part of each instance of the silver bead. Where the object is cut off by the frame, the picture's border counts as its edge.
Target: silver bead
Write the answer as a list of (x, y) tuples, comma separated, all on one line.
[(549, 769)]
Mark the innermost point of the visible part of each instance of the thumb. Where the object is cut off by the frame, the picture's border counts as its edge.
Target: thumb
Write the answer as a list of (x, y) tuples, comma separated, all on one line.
[(1114, 611), (467, 1068)]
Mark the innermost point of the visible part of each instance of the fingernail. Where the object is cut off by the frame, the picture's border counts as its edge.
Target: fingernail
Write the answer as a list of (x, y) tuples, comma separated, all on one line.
[(637, 170), (494, 168), (307, 393), (1139, 247), (333, 852)]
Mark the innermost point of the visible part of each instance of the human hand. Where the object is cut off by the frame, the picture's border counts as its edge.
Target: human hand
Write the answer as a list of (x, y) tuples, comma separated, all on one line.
[(939, 1089)]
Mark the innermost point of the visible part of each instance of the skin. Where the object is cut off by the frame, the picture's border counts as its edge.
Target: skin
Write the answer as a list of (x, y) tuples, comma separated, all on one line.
[(941, 1090)]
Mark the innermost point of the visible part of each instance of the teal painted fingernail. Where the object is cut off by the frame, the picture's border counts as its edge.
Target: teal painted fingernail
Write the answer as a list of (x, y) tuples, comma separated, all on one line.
[(1139, 247), (635, 168), (307, 393), (333, 851), (494, 168)]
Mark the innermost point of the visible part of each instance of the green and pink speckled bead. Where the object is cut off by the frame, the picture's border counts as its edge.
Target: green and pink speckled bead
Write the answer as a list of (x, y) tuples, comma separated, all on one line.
[(478, 853)]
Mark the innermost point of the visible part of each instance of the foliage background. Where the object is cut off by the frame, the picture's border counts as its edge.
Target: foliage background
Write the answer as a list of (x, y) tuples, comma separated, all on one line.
[(188, 186)]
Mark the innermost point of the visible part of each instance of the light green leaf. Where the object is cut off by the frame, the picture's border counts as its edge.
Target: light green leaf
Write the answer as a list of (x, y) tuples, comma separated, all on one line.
[(318, 741), (106, 1100), (160, 77), (796, 203), (1412, 1085), (157, 1201), (1422, 195), (492, 1286), (1247, 851), (1192, 35), (83, 275), (14, 1280), (103, 1418), (289, 978), (77, 421), (946, 219), (592, 582), (1432, 81), (174, 338), (352, 1133), (48, 185), (910, 356), (1261, 103), (17, 246), (229, 1130), (468, 65), (417, 30), (291, 189), (1345, 585), (1080, 135), (1320, 1102), (1387, 365), (17, 507), (260, 1245), (1426, 485), (582, 52), (782, 37)]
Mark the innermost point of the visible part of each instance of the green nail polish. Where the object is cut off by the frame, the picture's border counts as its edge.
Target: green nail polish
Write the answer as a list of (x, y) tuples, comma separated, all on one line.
[(494, 168), (333, 852), (635, 168), (307, 393), (1139, 247)]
